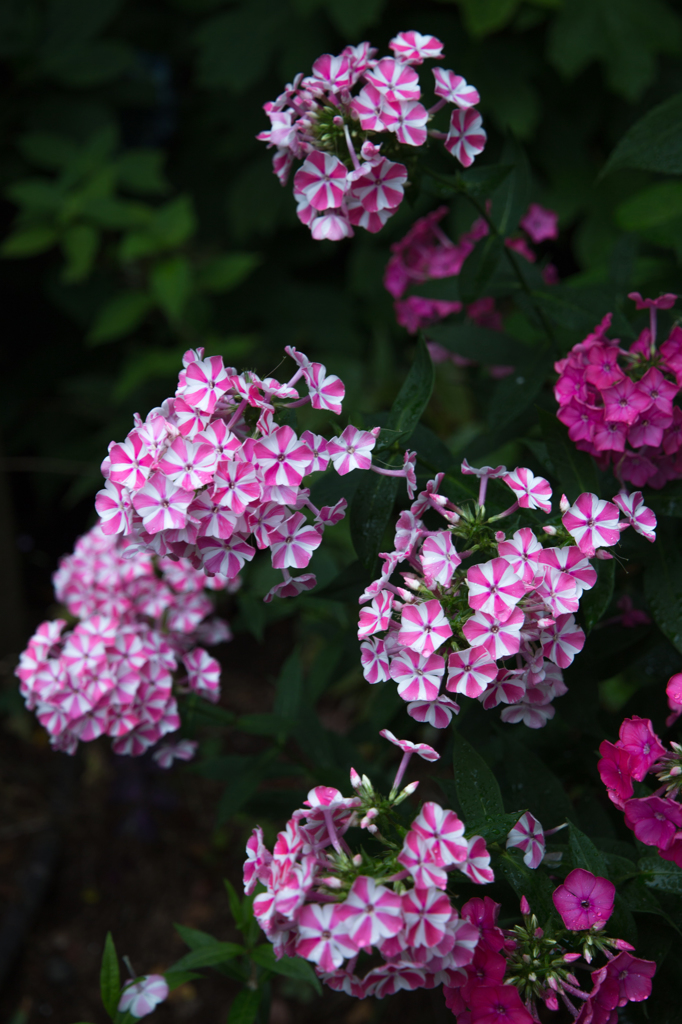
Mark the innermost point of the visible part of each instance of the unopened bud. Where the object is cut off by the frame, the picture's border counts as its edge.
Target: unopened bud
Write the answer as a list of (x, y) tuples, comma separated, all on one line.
[(550, 530), (622, 944), (571, 957), (371, 814), (357, 860), (551, 1002), (564, 504), (375, 431), (337, 119), (409, 789), (500, 535), (331, 882), (355, 780), (545, 622), (603, 555), (525, 906)]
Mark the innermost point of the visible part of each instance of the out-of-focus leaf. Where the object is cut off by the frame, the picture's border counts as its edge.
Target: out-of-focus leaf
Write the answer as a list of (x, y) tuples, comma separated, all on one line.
[(234, 48), (171, 285), (263, 723), (141, 171), (28, 241), (348, 585), (353, 16), (534, 885), (476, 343), (89, 64), (226, 272), (654, 143), (661, 874), (117, 214), (510, 199), (668, 501), (208, 956), (575, 469), (110, 977), (484, 16), (289, 687), (170, 226), (239, 791), (120, 316), (79, 243), (47, 149), (414, 394), (289, 966), (514, 393), (37, 195), (652, 207), (244, 1009), (481, 182), (480, 267), (193, 937), (533, 785), (663, 584), (594, 603), (477, 788), (174, 979), (640, 899)]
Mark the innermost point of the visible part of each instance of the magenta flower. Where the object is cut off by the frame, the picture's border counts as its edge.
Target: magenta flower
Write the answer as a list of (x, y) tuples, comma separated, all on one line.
[(466, 137), (424, 751), (615, 769), (494, 588), (654, 821), (418, 677), (334, 72), (624, 401), (570, 560), (414, 48), (224, 557), (352, 450), (541, 224), (500, 639), (371, 912), (381, 185), (638, 738), (498, 1004), (162, 505), (584, 900), (633, 976), (293, 542), (470, 671), (528, 835), (437, 713), (424, 627), (376, 616), (454, 89), (443, 832), (531, 491), (141, 997), (235, 485)]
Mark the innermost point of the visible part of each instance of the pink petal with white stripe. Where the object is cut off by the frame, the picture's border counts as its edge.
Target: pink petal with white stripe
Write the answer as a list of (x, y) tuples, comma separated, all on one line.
[(375, 664), (523, 553), (130, 462), (494, 588), (454, 89), (531, 491), (470, 671), (424, 627), (437, 713), (443, 832), (162, 505), (293, 542), (418, 677), (414, 48), (592, 522), (372, 912), (188, 465), (283, 458), (500, 639), (394, 80), (322, 180), (466, 137)]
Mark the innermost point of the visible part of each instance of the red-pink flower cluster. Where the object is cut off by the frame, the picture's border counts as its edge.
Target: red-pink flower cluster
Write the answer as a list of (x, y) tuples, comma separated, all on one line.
[(655, 820), (618, 403), (211, 468), (501, 630), (427, 254), (355, 122), (113, 673)]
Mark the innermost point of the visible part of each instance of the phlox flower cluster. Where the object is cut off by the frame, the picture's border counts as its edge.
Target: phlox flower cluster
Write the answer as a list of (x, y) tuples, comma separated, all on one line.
[(335, 907), (656, 820), (211, 469), (499, 631), (357, 122), (619, 403), (139, 621), (426, 253)]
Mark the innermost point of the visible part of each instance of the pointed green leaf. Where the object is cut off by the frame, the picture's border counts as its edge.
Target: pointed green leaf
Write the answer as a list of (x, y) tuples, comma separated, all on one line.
[(171, 285), (244, 1009), (120, 316), (208, 956), (663, 583), (584, 854), (654, 143), (477, 788), (661, 874), (575, 470), (110, 977), (594, 602), (289, 966)]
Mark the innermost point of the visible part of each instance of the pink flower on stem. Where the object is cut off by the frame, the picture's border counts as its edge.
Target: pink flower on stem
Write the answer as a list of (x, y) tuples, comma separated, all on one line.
[(375, 663), (188, 465), (203, 673), (559, 591), (352, 450), (498, 1004), (322, 180), (258, 859), (319, 449), (283, 458), (408, 748), (470, 671), (531, 491), (141, 998), (369, 106), (439, 558), (293, 542), (584, 900), (225, 557), (321, 937), (638, 738), (653, 820), (633, 976), (541, 224), (484, 473), (437, 713), (477, 863), (424, 627), (443, 832), (562, 641), (592, 522), (639, 517), (408, 121), (418, 858), (454, 89), (673, 692), (572, 561), (129, 462), (624, 401), (376, 616), (466, 137), (327, 391), (426, 913), (500, 639), (615, 769), (371, 912), (523, 552), (162, 505), (113, 506), (494, 588), (418, 677), (528, 835), (394, 80), (205, 381), (414, 48), (291, 586), (380, 186)]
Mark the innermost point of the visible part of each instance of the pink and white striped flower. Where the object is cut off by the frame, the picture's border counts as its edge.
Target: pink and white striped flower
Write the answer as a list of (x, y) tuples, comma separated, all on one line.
[(283, 458), (331, 226), (408, 120), (414, 48), (114, 508), (205, 381), (470, 671), (380, 186), (395, 80), (203, 673), (454, 89), (559, 591), (293, 542), (321, 937), (333, 72), (424, 751), (417, 856), (162, 505), (424, 627), (562, 640), (418, 677), (638, 516), (522, 552), (534, 716), (531, 491), (528, 835), (494, 588), (214, 520), (319, 449), (175, 750), (376, 616), (437, 713), (188, 465), (225, 557), (371, 912), (570, 560), (426, 913), (370, 106), (443, 833), (141, 997), (235, 485), (477, 864), (130, 462), (322, 180), (375, 663), (592, 522), (466, 137), (500, 639), (439, 558), (352, 450), (327, 391)]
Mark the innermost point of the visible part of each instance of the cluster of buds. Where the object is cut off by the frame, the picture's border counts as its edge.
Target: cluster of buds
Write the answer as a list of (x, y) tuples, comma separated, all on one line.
[(211, 468), (501, 630), (618, 403), (427, 254), (137, 623), (656, 820), (356, 123), (335, 907)]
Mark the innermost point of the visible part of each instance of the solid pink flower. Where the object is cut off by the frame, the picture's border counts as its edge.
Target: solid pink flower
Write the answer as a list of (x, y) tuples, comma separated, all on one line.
[(592, 522), (293, 542), (424, 627), (638, 738), (540, 223), (500, 639), (654, 820), (477, 863), (418, 677), (615, 769), (523, 553), (426, 913), (352, 450), (439, 558), (603, 370), (141, 998), (443, 833), (666, 301), (424, 751), (414, 48), (466, 137), (494, 588), (624, 401), (531, 491), (394, 80), (205, 381), (562, 640), (633, 976), (162, 505), (584, 900), (437, 713), (454, 89), (528, 835), (322, 180), (371, 912), (498, 1004), (659, 391), (321, 937), (470, 671), (375, 664), (640, 518)]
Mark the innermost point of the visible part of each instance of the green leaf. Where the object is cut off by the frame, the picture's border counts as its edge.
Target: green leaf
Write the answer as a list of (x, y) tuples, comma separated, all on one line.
[(289, 966), (238, 792), (480, 182), (661, 874), (663, 584), (36, 195), (235, 905), (510, 200), (208, 956), (110, 977), (171, 284), (494, 828), (351, 17), (175, 979), (193, 937), (477, 343), (534, 785), (479, 268), (668, 501), (654, 143), (516, 392), (47, 149), (415, 393), (226, 272), (79, 244), (170, 226), (28, 241), (289, 688), (263, 723), (575, 470), (141, 170), (90, 64), (534, 885), (235, 48), (477, 788), (120, 316), (593, 603), (651, 208), (244, 1009), (641, 900), (584, 854), (484, 16)]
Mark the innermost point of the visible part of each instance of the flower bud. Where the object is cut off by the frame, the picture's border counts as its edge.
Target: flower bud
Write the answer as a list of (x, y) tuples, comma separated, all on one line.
[(355, 780), (564, 504), (410, 788), (331, 882), (525, 906), (571, 957), (357, 860), (603, 555), (622, 944), (551, 531), (500, 535)]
